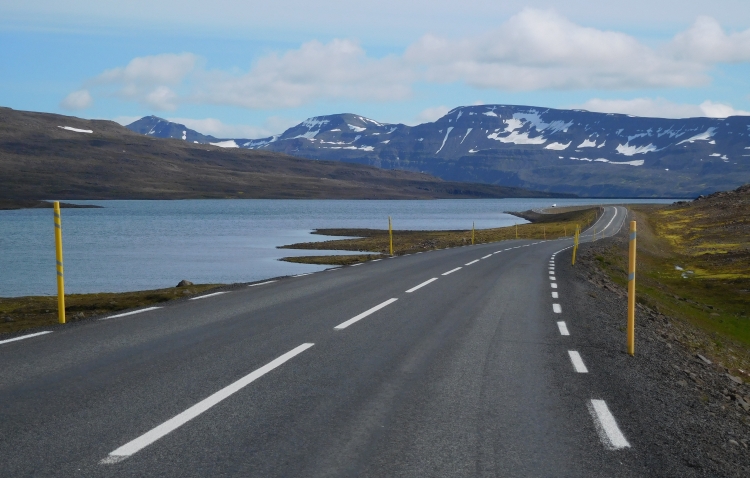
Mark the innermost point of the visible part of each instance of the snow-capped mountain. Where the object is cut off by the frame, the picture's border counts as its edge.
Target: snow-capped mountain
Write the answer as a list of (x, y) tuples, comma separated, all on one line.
[(540, 148)]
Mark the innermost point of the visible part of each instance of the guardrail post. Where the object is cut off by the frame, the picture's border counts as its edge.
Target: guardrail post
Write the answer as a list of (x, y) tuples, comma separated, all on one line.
[(631, 290), (59, 260), (390, 235)]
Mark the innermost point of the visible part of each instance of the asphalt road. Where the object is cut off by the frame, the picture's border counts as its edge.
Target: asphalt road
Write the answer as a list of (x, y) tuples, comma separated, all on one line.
[(353, 371)]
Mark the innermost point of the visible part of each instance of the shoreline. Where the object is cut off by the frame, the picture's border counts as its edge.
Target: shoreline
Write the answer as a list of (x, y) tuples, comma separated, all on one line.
[(15, 204)]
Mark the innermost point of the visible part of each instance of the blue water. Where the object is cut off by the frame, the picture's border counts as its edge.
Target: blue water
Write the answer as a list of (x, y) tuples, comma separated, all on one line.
[(137, 245)]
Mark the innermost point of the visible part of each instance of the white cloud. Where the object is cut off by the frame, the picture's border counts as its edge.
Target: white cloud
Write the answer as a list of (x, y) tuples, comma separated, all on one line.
[(661, 108), (77, 100), (218, 129), (533, 50), (539, 49), (431, 114), (707, 42)]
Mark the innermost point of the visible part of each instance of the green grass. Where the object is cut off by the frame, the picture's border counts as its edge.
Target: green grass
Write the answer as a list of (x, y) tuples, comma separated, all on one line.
[(21, 313)]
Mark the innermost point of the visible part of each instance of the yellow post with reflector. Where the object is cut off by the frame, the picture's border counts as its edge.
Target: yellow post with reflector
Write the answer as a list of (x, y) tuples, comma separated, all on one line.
[(390, 234), (516, 231), (472, 233), (631, 290), (59, 258), (575, 245)]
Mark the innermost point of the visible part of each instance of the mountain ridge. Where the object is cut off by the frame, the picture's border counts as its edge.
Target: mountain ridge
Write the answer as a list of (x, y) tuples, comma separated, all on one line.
[(553, 150)]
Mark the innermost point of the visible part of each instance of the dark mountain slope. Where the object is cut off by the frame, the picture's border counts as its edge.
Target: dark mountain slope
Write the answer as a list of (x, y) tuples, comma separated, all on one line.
[(44, 156)]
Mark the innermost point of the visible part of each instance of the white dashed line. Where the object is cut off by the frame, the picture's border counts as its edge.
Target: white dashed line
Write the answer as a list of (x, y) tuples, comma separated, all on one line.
[(130, 313), (376, 260), (355, 265), (172, 424), (451, 271), (472, 262), (578, 364), (305, 274), (552, 278), (422, 285), (488, 255), (556, 308), (270, 281), (209, 295), (606, 426), (15, 339), (553, 285), (555, 295), (563, 328), (364, 314)]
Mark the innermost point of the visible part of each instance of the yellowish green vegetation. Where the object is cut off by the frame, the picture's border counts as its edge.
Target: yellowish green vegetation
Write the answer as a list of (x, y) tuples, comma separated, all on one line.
[(549, 226), (693, 263), (20, 313)]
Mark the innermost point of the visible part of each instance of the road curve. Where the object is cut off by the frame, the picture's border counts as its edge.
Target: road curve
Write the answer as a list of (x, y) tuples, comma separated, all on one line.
[(455, 362)]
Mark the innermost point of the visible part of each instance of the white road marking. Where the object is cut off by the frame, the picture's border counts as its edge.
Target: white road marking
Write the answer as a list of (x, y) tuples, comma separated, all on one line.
[(177, 421), (130, 313), (302, 275), (422, 285), (578, 364), (364, 314), (355, 265), (376, 260), (472, 262), (488, 255), (451, 271), (563, 328), (209, 295), (552, 278), (14, 339), (555, 295), (270, 281), (606, 426), (553, 285), (418, 253), (333, 269), (556, 308)]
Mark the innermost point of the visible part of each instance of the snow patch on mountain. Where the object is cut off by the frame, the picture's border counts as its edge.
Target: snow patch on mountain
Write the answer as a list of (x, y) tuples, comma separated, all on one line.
[(467, 134), (587, 144), (628, 150), (558, 146), (225, 144), (450, 128), (356, 129), (70, 128), (517, 138), (705, 136)]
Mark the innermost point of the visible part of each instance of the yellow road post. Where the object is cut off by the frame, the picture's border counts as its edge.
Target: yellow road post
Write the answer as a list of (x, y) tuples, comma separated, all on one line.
[(390, 234), (59, 257), (472, 233), (516, 231), (544, 231), (631, 291), (575, 245)]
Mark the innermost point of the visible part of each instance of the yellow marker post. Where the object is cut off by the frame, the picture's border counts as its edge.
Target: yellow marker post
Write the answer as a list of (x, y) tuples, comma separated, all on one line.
[(544, 231), (516, 231), (631, 291), (59, 256), (472, 233), (575, 246), (390, 234), (565, 228)]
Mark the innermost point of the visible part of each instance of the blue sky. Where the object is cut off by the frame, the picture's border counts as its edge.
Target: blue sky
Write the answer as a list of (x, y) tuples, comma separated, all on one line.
[(249, 69)]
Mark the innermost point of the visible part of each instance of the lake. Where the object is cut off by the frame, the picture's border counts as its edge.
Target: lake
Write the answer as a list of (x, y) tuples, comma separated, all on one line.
[(138, 245)]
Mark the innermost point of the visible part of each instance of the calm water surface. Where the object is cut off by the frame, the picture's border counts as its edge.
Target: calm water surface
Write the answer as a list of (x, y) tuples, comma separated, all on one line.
[(137, 245)]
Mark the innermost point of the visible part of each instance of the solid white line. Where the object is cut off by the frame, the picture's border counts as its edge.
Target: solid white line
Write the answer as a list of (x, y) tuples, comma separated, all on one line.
[(422, 284), (472, 262), (130, 313), (209, 295), (25, 337), (177, 421), (606, 426), (355, 265), (451, 271), (556, 308), (488, 255), (555, 295), (578, 364), (554, 285), (364, 314), (269, 281), (563, 328)]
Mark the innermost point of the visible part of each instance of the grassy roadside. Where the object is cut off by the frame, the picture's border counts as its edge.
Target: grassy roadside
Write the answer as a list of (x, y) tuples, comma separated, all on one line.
[(549, 226), (21, 313), (693, 264)]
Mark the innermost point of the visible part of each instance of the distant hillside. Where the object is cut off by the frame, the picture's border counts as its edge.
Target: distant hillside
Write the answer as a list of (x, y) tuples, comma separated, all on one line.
[(592, 154), (46, 156)]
